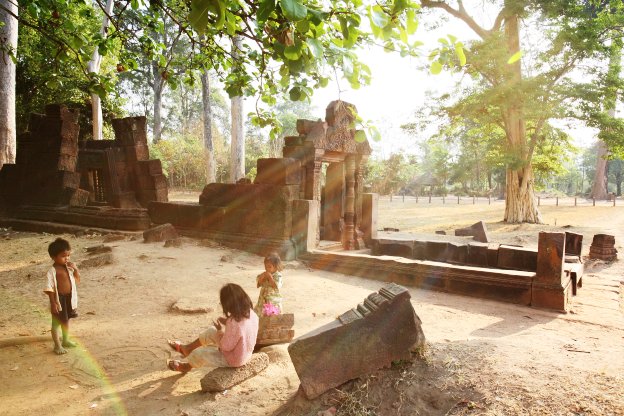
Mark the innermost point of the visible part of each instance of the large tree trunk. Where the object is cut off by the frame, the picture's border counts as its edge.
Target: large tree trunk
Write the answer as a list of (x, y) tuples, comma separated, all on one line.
[(520, 203), (158, 90), (208, 146), (237, 155), (8, 41), (94, 66)]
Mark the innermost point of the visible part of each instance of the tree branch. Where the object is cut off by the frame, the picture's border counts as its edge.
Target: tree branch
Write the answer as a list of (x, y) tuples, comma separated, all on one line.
[(458, 13)]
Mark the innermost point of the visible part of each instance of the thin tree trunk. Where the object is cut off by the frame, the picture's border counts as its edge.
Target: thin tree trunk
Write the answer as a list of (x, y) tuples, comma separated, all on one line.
[(94, 66), (208, 145), (237, 155), (599, 186), (158, 90), (275, 147), (8, 41)]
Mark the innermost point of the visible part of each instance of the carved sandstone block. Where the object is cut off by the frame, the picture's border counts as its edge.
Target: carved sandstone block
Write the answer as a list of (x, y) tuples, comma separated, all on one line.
[(383, 328), (223, 378), (160, 233)]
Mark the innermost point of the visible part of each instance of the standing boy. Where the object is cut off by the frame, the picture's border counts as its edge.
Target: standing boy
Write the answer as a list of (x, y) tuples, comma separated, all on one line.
[(61, 289)]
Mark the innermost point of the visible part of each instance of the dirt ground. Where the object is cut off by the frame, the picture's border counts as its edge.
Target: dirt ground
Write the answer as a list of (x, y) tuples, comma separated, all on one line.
[(482, 357)]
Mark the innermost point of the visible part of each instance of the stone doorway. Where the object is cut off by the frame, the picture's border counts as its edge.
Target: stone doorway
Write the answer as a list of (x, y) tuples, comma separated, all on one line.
[(333, 201)]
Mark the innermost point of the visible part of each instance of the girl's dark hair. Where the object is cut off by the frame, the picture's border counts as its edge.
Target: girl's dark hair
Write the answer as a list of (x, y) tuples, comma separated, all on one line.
[(58, 246), (275, 260), (235, 302)]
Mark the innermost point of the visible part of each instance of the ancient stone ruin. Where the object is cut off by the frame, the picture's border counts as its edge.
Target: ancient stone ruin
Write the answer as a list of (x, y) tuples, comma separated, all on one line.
[(603, 248), (382, 329), (99, 183), (287, 209)]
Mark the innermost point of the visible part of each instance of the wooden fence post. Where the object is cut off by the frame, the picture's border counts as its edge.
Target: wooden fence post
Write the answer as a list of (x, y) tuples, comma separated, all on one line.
[(594, 201), (457, 199), (403, 197), (557, 203), (443, 201), (473, 200), (429, 198), (574, 201), (489, 200), (538, 201)]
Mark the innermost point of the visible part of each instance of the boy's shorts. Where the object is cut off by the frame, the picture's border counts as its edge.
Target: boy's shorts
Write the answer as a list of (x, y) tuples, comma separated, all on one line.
[(66, 311)]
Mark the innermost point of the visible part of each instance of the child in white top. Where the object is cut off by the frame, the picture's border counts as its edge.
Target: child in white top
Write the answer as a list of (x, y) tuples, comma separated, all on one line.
[(60, 287)]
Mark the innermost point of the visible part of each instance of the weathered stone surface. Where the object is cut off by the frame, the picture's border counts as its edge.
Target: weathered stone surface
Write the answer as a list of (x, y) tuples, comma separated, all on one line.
[(573, 244), (160, 233), (79, 198), (551, 286), (305, 222), (368, 225), (101, 248), (223, 378), (477, 230), (603, 247), (174, 242), (278, 171), (378, 331), (109, 238), (391, 247), (96, 260), (276, 329), (517, 258), (196, 304)]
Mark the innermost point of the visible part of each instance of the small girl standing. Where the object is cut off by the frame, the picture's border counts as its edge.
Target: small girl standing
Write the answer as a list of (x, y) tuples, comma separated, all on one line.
[(270, 282)]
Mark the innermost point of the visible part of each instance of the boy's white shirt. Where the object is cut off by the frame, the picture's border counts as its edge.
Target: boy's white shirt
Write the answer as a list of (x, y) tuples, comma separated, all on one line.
[(51, 286)]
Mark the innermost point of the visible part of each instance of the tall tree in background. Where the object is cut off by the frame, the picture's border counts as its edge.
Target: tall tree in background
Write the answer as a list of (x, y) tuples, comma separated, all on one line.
[(207, 132), (237, 158), (94, 67), (8, 47), (521, 103), (599, 186)]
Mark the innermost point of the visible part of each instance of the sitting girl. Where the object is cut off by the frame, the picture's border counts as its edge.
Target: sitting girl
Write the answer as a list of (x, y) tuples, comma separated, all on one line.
[(219, 347), (270, 282)]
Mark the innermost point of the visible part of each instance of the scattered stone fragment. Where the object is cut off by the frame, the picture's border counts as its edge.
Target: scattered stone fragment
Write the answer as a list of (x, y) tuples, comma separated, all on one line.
[(227, 258), (174, 242), (223, 378), (209, 243), (478, 231), (440, 232), (109, 238), (96, 260), (160, 233), (99, 249), (197, 304)]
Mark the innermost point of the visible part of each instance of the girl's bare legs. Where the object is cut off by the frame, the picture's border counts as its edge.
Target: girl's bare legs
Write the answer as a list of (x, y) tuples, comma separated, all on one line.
[(188, 348)]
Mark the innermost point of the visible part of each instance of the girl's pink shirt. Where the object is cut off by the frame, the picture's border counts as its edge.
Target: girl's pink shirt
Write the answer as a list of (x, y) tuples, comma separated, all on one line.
[(239, 339)]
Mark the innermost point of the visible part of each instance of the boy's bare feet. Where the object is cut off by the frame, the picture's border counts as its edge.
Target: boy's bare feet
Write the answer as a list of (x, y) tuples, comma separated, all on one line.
[(69, 344), (180, 366), (59, 350)]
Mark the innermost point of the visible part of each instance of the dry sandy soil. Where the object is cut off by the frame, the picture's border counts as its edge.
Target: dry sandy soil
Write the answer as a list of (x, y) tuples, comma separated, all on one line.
[(482, 357)]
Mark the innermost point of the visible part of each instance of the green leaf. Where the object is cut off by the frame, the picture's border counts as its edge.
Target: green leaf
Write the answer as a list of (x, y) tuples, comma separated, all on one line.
[(515, 57), (317, 16), (459, 51), (378, 17), (293, 52), (412, 23), (436, 67), (198, 17), (265, 9), (403, 35), (344, 27), (294, 10), (295, 93), (347, 65), (360, 136), (316, 48)]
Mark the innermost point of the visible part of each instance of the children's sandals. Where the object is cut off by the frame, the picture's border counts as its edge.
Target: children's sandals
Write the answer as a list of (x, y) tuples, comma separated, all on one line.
[(176, 346)]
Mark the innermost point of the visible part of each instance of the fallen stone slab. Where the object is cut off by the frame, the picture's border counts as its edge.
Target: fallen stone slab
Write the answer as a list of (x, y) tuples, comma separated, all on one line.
[(381, 329), (160, 233), (99, 249), (196, 304), (478, 231), (223, 378), (96, 260), (109, 238)]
